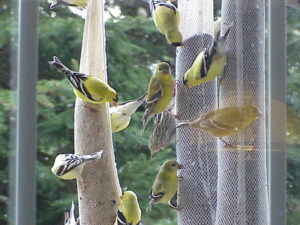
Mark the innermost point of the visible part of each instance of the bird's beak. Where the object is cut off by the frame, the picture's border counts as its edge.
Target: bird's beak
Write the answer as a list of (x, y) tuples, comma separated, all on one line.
[(179, 166)]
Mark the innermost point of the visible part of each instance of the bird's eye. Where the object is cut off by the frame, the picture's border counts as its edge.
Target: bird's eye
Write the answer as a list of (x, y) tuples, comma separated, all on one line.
[(174, 164), (160, 69)]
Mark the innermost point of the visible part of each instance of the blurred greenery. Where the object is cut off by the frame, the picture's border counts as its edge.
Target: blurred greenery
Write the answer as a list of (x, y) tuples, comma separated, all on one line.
[(133, 46)]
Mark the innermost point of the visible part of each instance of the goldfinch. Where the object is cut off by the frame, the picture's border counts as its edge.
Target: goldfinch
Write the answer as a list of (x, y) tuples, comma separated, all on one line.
[(86, 87), (129, 212), (164, 130), (160, 92), (224, 122), (70, 217), (208, 64), (166, 20), (77, 3), (165, 184), (120, 115), (70, 166)]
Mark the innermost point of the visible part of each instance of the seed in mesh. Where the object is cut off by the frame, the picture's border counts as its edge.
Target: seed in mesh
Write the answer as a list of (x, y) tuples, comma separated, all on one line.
[(224, 122)]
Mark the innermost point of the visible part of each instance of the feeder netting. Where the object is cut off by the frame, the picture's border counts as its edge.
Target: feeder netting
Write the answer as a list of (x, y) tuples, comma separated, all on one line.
[(221, 185)]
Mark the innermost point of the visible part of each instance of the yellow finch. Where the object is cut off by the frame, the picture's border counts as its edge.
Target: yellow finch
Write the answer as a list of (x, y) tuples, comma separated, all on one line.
[(165, 184), (70, 166), (160, 92), (77, 3), (86, 87), (164, 130), (208, 64), (70, 217), (166, 20), (129, 212), (120, 115), (224, 122)]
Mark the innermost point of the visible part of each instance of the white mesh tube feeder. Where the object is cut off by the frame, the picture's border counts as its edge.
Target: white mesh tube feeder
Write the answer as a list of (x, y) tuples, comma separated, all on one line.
[(196, 150), (99, 198), (219, 185), (242, 175)]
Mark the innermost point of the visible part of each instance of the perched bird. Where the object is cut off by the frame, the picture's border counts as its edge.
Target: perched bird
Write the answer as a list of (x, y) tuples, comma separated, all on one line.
[(166, 20), (77, 3), (120, 115), (129, 212), (164, 130), (224, 122), (70, 217), (70, 166), (160, 92), (86, 87), (165, 184), (208, 64)]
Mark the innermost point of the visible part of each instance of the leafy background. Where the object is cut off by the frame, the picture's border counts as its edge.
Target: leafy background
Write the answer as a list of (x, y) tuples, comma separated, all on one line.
[(133, 46)]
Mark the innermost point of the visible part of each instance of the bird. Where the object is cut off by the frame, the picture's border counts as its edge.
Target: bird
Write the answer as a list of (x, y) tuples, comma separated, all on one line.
[(224, 121), (166, 19), (164, 130), (209, 63), (70, 166), (159, 93), (76, 3), (120, 115), (70, 217), (129, 212), (165, 184), (86, 87)]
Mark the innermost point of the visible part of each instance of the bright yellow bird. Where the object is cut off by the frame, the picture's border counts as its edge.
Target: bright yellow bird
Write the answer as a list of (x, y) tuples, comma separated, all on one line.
[(77, 3), (165, 184), (160, 92), (86, 87), (224, 122), (70, 166), (166, 20), (120, 115), (129, 212), (208, 64)]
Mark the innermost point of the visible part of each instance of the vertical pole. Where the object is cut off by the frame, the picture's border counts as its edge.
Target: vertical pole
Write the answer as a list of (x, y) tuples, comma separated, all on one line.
[(196, 150), (25, 210), (277, 112), (98, 201)]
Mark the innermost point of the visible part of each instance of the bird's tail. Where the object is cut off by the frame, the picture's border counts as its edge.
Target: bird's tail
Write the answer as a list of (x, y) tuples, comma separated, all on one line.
[(72, 211), (183, 123), (57, 64), (96, 155), (146, 117)]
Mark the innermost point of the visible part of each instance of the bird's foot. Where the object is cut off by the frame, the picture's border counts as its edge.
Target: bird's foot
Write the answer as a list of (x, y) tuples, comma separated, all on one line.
[(237, 147), (179, 177)]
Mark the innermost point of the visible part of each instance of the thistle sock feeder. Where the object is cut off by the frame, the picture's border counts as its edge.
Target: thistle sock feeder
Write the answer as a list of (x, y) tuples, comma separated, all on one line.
[(99, 196)]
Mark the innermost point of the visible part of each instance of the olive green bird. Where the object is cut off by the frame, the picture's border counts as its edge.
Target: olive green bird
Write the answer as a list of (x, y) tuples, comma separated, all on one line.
[(129, 212), (159, 93), (165, 184), (76, 3), (209, 63), (86, 87), (166, 19), (224, 122)]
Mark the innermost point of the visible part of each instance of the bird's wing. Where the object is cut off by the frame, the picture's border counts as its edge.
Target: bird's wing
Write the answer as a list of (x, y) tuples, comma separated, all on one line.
[(70, 162), (207, 59), (155, 92), (78, 80), (121, 218), (156, 192), (96, 88)]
